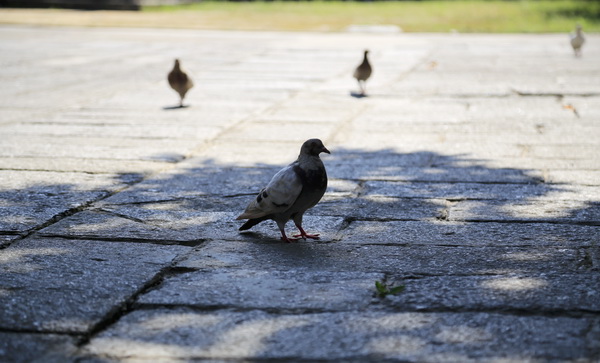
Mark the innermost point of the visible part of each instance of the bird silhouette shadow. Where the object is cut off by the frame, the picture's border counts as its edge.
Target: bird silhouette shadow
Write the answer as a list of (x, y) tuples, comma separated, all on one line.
[(358, 94), (175, 107)]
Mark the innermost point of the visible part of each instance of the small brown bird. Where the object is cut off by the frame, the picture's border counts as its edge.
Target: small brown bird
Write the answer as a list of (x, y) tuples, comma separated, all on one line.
[(577, 40), (362, 73), (180, 81), (291, 192)]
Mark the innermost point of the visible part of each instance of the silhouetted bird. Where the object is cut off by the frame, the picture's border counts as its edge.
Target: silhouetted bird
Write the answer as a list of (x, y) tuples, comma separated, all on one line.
[(179, 81), (362, 73), (577, 40), (293, 190)]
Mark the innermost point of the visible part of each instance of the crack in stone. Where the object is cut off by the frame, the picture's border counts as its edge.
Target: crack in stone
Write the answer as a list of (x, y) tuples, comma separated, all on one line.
[(166, 242), (127, 306)]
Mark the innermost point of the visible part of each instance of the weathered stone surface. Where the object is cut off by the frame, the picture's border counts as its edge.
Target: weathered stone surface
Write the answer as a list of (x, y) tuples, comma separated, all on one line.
[(196, 179), (495, 138), (82, 165), (30, 198), (267, 289), (470, 234), (383, 208), (6, 239), (457, 191), (541, 292), (565, 211), (25, 348), (448, 174), (56, 285), (167, 223), (465, 337), (402, 260)]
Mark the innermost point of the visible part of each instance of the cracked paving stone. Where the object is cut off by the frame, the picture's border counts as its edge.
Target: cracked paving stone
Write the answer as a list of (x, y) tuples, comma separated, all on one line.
[(535, 293), (559, 211), (57, 285), (458, 337), (267, 289), (172, 223), (29, 199), (26, 348), (468, 233), (405, 260), (7, 239)]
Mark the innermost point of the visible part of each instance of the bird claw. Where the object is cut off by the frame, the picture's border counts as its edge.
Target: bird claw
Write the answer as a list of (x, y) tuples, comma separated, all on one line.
[(304, 236), (289, 240)]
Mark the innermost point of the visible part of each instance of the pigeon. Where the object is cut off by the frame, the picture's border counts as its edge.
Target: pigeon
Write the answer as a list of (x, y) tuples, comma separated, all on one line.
[(362, 73), (179, 81), (577, 41), (291, 192)]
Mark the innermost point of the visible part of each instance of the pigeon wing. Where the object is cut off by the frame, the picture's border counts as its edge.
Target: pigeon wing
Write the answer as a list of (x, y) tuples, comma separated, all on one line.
[(278, 196)]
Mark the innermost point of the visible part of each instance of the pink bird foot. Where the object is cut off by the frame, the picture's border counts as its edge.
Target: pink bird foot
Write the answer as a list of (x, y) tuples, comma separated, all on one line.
[(305, 235)]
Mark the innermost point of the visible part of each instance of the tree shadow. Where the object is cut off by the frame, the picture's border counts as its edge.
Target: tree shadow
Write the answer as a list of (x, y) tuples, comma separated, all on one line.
[(461, 235)]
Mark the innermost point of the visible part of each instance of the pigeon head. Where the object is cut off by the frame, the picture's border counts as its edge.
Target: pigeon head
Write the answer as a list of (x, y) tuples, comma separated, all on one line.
[(176, 63), (366, 51), (313, 147)]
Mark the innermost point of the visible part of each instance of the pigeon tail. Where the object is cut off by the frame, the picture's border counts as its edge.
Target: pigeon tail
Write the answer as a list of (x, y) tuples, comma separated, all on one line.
[(251, 223)]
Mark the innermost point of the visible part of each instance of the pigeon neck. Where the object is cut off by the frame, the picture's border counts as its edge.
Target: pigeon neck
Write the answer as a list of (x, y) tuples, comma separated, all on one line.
[(307, 157)]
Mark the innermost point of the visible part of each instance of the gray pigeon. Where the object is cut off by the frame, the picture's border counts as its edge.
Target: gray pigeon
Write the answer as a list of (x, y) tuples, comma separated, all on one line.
[(577, 40), (180, 81), (293, 190), (362, 73)]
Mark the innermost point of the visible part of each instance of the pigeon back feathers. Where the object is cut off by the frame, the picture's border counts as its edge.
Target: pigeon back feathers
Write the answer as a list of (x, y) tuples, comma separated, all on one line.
[(279, 195)]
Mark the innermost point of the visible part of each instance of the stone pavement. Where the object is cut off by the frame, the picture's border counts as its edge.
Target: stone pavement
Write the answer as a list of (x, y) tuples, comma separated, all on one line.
[(470, 175)]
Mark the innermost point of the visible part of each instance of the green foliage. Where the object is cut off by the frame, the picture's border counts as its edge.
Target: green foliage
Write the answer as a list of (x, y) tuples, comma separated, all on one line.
[(383, 290), (491, 16)]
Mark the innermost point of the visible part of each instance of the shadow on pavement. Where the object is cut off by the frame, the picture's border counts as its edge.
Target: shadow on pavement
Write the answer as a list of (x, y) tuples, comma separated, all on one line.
[(461, 236)]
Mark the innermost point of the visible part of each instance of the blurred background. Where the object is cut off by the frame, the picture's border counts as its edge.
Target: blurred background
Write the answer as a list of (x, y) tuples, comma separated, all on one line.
[(489, 16)]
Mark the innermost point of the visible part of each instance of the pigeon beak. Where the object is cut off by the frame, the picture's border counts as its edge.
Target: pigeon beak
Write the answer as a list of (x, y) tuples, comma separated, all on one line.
[(324, 150)]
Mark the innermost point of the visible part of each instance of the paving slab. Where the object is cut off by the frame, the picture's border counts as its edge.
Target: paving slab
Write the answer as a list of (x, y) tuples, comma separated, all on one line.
[(457, 191), (28, 199), (23, 348), (174, 223), (454, 233), (402, 260), (564, 211), (267, 289), (69, 286), (467, 337), (382, 208), (536, 293)]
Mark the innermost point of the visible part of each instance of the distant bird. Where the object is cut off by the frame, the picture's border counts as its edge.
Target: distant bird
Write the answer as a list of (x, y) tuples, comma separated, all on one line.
[(179, 81), (577, 40), (362, 73), (293, 190)]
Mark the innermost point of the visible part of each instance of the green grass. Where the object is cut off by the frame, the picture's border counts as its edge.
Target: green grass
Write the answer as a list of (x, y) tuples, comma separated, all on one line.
[(492, 16)]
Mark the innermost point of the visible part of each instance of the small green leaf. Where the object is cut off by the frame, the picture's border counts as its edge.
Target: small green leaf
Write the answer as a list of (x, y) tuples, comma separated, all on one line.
[(381, 289)]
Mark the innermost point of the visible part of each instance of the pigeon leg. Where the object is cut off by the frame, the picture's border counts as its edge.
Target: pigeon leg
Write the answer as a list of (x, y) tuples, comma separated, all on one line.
[(283, 235), (305, 235)]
